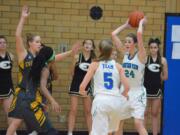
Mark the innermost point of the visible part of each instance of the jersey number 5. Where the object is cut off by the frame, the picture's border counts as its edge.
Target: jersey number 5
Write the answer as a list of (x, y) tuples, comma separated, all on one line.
[(108, 82)]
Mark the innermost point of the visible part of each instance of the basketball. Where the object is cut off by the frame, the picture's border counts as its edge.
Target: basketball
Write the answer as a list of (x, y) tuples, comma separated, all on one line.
[(135, 17)]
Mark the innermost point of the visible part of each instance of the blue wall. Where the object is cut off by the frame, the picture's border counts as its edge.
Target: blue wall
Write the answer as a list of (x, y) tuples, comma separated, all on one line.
[(171, 101)]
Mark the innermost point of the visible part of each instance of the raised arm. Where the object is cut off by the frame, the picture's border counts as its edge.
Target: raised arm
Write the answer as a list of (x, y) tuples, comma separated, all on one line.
[(73, 51), (91, 70), (20, 48), (43, 83), (115, 37), (141, 49), (164, 74)]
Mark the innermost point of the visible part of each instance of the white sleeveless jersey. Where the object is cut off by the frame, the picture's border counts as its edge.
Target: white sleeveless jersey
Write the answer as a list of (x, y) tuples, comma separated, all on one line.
[(107, 79), (134, 70)]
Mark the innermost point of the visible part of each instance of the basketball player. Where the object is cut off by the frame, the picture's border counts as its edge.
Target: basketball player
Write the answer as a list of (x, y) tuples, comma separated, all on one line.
[(29, 100), (25, 59), (108, 101), (156, 71), (80, 66), (133, 64)]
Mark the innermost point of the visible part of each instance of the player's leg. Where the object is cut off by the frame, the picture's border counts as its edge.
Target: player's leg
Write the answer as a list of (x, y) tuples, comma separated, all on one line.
[(99, 118), (120, 130), (156, 104), (147, 111), (139, 125), (87, 112), (6, 106), (15, 123), (139, 106), (72, 114)]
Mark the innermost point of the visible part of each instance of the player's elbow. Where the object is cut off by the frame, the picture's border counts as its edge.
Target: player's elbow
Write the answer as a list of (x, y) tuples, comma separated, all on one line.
[(113, 34), (165, 77)]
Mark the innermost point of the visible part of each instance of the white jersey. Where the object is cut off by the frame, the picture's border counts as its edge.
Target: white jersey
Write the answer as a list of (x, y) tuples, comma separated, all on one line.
[(134, 70), (107, 79)]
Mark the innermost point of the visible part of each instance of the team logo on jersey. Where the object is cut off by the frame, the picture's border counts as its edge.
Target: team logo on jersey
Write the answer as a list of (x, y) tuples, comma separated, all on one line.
[(84, 66), (154, 67), (5, 65), (130, 65)]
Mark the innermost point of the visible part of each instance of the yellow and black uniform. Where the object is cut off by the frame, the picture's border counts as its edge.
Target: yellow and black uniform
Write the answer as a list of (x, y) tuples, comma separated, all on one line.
[(27, 101), (49, 87), (32, 113), (24, 69), (20, 92), (30, 109)]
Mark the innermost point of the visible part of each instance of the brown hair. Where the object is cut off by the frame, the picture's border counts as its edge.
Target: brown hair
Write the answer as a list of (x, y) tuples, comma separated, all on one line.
[(29, 38), (93, 54), (158, 42), (3, 37), (39, 62), (105, 48), (133, 36)]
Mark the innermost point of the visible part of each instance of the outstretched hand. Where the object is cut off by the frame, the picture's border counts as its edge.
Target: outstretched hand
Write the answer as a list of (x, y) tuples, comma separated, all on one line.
[(25, 11), (76, 47), (127, 24)]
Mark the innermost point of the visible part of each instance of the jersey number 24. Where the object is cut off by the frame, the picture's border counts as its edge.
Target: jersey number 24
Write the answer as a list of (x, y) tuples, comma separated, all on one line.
[(129, 74)]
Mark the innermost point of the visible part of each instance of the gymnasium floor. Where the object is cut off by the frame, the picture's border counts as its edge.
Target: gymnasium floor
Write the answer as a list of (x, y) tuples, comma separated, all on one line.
[(65, 133)]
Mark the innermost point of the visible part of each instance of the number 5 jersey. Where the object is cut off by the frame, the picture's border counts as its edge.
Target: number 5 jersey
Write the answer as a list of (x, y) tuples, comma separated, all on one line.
[(108, 80)]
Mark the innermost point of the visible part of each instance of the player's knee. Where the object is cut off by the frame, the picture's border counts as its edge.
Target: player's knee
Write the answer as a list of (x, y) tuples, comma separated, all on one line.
[(73, 111), (15, 123), (154, 114), (87, 112)]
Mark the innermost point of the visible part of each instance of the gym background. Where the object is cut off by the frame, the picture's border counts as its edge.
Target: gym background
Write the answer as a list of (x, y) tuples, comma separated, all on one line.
[(60, 23)]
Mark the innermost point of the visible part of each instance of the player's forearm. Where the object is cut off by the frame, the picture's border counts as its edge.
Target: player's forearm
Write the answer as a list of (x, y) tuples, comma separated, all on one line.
[(62, 56), (119, 29), (20, 27)]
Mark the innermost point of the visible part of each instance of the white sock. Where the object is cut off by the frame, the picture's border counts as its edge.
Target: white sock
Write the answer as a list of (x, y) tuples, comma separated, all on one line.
[(33, 133), (70, 133)]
